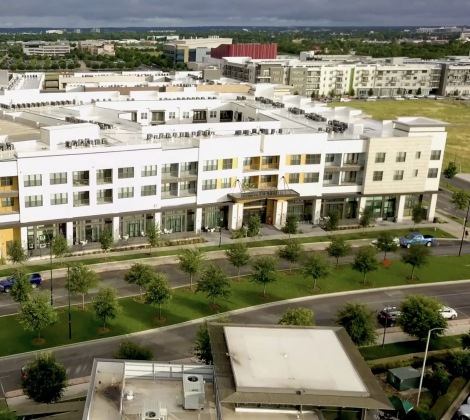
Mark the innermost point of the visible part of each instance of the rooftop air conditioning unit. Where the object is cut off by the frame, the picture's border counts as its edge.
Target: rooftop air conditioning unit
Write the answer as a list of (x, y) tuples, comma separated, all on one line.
[(194, 394), (152, 410)]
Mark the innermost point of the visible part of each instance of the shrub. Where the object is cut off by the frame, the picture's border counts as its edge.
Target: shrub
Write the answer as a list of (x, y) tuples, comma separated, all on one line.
[(130, 350), (444, 401)]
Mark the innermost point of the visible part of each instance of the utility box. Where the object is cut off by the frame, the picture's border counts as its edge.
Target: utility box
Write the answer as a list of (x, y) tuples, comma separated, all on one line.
[(404, 378)]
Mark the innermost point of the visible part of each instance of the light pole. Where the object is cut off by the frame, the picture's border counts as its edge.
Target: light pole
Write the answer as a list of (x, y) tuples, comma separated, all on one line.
[(70, 314), (464, 227), (385, 331), (220, 231), (424, 361), (50, 254)]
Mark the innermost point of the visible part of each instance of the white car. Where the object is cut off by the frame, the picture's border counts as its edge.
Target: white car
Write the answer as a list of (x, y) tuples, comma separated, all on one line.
[(431, 97), (396, 241), (448, 313), (419, 96), (463, 413), (398, 98), (345, 100)]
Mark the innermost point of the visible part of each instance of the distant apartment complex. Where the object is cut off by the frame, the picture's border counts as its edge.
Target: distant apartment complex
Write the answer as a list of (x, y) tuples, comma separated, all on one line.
[(194, 49), (59, 48)]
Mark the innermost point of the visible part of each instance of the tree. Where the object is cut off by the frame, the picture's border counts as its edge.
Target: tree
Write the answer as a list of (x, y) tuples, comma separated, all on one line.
[(460, 200), (298, 316), (59, 246), (80, 280), (419, 314), (238, 256), (106, 239), (16, 253), (191, 262), (438, 382), (37, 313), (316, 267), (265, 271), (359, 322), (338, 248), (214, 283), (465, 339), (366, 218), (332, 222), (417, 214), (105, 304), (417, 256), (254, 225), (140, 275), (419, 91), (22, 288), (365, 261), (292, 225), (450, 171), (202, 345), (352, 92), (158, 292), (46, 379), (129, 350), (370, 92), (291, 252), (154, 235), (386, 243)]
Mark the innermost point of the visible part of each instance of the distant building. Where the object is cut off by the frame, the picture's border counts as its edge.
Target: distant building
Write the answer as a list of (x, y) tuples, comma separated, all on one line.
[(98, 47), (58, 48), (465, 34), (194, 49), (56, 31), (77, 31), (255, 51), (95, 30)]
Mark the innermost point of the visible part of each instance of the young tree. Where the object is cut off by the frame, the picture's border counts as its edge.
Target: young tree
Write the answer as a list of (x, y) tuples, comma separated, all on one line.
[(59, 246), (460, 200), (419, 314), (370, 92), (238, 256), (466, 341), (417, 214), (450, 172), (332, 222), (154, 235), (386, 243), (80, 280), (37, 313), (158, 292), (338, 248), (291, 252), (317, 267), (359, 322), (365, 261), (214, 283), (366, 218), (191, 262), (292, 225), (254, 225), (265, 271), (129, 350), (45, 380), (140, 275), (16, 253), (105, 304), (299, 316), (106, 240), (417, 256), (202, 345), (22, 288), (438, 382)]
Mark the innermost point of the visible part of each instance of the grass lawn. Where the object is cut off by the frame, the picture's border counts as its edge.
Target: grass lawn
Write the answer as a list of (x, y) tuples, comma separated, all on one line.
[(455, 112), (357, 234), (187, 305), (52, 76), (407, 347)]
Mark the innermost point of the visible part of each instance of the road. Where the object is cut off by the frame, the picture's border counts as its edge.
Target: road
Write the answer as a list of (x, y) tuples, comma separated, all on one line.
[(114, 278), (173, 343)]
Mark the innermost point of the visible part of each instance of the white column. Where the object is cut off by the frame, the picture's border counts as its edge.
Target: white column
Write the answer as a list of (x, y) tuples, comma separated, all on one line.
[(69, 233), (115, 228), (401, 208), (235, 216), (316, 211), (24, 237), (362, 205), (280, 213), (157, 220), (432, 207), (198, 221)]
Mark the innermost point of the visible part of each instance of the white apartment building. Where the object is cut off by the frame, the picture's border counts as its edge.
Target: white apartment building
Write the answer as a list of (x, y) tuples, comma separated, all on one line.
[(58, 48), (192, 163)]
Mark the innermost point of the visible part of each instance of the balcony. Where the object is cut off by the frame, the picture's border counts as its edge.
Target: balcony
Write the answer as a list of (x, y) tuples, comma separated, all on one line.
[(104, 200), (173, 174), (79, 182), (191, 192), (188, 174), (267, 166), (169, 194), (103, 180), (263, 185), (81, 203), (249, 168)]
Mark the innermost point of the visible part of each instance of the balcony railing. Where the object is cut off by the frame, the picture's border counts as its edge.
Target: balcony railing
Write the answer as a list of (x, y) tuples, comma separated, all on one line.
[(104, 180), (188, 193), (192, 172), (269, 166), (80, 182), (173, 174), (81, 203), (169, 194), (105, 200)]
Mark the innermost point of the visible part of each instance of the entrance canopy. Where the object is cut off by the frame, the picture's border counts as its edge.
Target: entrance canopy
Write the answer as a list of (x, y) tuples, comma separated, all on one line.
[(272, 193)]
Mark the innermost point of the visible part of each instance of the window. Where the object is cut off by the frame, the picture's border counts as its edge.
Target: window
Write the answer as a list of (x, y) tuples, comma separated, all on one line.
[(247, 161), (147, 190), (104, 176), (81, 178), (310, 178), (312, 159), (227, 164), (58, 178), (104, 196), (226, 182), (432, 172), (210, 165), (401, 156), (185, 114), (329, 158), (124, 173), (171, 115), (378, 176), (149, 170), (126, 192), (32, 180), (59, 198), (295, 160), (380, 157), (418, 155), (294, 178), (33, 201), (143, 115), (200, 116), (8, 202), (209, 184), (81, 198), (435, 154), (213, 114), (398, 175), (6, 181)]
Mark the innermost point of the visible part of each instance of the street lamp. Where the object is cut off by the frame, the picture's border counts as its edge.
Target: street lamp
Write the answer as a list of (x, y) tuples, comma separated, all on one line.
[(424, 361), (464, 227), (220, 231), (50, 254), (70, 313)]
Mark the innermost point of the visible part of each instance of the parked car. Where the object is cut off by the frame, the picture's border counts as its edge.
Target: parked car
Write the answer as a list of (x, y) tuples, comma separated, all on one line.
[(345, 100), (396, 240), (7, 284), (431, 97), (398, 98), (448, 313), (463, 413), (416, 238), (371, 99), (388, 316)]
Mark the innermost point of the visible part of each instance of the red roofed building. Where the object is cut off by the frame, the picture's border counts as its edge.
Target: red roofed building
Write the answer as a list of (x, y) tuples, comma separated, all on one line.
[(255, 51)]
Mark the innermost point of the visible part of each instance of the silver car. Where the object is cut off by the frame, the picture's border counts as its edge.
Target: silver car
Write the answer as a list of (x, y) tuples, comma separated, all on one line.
[(463, 413)]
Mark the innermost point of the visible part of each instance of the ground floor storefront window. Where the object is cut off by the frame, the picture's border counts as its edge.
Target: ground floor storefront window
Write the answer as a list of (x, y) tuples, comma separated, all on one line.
[(40, 236), (302, 209), (135, 225), (211, 217), (90, 230), (346, 207), (178, 221), (411, 201), (383, 207)]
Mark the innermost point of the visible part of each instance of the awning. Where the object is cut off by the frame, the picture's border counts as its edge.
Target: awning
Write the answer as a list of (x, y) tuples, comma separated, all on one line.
[(272, 193)]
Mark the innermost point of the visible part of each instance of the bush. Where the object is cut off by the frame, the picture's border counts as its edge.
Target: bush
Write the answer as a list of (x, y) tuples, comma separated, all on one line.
[(444, 401), (438, 382), (458, 363), (129, 350)]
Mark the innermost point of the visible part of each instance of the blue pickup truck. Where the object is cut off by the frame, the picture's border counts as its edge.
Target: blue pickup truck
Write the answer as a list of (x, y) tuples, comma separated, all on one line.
[(7, 284), (417, 239)]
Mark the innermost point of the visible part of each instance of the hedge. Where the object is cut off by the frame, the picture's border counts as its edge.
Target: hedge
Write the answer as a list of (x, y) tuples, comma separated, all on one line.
[(443, 403)]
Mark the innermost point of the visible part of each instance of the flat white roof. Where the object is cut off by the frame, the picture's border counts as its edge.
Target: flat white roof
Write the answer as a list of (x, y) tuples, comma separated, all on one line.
[(291, 360)]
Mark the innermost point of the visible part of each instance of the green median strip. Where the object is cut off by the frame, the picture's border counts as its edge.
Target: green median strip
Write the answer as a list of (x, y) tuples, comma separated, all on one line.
[(187, 305)]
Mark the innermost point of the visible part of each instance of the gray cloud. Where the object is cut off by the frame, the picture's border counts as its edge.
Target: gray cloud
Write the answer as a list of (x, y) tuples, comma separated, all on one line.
[(87, 13)]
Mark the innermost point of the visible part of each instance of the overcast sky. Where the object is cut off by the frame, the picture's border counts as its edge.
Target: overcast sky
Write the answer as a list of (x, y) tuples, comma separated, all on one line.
[(102, 13)]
